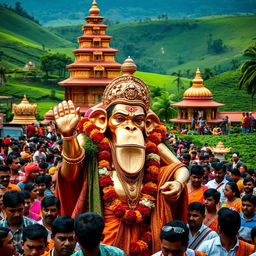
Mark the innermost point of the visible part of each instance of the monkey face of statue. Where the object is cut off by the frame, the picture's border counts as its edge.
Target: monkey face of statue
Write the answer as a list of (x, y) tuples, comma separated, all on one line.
[(127, 124)]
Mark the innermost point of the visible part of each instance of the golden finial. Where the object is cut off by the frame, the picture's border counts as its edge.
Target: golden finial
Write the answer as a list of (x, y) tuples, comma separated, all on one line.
[(128, 67), (94, 11), (198, 75), (197, 89), (24, 100)]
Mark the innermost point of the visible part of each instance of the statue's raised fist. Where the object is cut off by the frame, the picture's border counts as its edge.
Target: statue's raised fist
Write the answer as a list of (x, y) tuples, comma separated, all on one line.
[(67, 117)]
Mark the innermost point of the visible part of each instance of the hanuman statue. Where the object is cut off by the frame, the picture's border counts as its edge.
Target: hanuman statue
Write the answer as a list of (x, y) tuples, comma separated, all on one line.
[(119, 166)]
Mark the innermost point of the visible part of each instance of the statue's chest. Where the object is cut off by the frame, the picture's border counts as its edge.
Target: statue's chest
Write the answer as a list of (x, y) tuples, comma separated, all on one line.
[(126, 189)]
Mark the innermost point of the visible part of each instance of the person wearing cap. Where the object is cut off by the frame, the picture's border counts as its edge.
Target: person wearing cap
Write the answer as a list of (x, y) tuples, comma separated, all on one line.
[(26, 156), (174, 240), (31, 172), (236, 161)]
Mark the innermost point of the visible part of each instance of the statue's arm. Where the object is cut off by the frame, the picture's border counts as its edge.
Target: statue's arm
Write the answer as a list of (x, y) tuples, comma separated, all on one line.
[(182, 173), (73, 150)]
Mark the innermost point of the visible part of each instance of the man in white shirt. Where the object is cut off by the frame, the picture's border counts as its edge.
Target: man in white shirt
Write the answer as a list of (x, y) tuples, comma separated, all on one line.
[(227, 243), (219, 180), (198, 232), (39, 155)]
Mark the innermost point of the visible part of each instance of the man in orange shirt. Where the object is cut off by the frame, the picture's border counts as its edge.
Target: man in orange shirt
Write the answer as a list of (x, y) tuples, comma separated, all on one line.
[(5, 178)]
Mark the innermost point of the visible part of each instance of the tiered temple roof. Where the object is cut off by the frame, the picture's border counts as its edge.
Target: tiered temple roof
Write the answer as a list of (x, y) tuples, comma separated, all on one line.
[(94, 66)]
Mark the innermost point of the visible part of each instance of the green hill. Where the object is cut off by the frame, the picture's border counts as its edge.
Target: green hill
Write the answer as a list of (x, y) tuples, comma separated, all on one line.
[(22, 40), (224, 89), (172, 45)]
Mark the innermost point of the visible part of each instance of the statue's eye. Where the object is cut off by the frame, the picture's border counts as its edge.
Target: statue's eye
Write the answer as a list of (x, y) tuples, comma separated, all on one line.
[(120, 119), (138, 120)]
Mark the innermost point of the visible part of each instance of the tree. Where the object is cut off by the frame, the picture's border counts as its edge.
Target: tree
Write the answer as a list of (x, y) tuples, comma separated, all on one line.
[(178, 80), (248, 69), (162, 106), (54, 62), (3, 79)]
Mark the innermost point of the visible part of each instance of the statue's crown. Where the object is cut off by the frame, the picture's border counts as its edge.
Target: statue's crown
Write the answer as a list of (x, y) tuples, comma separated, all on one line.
[(127, 89)]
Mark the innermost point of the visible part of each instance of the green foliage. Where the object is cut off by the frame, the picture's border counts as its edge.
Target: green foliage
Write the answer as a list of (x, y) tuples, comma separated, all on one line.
[(162, 106), (248, 69), (52, 62), (244, 144)]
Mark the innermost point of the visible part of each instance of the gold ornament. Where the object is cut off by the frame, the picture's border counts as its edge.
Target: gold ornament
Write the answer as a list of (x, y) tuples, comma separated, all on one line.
[(127, 89)]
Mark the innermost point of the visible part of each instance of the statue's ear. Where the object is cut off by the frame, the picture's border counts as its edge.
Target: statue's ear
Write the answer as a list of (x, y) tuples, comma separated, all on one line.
[(152, 121), (99, 118)]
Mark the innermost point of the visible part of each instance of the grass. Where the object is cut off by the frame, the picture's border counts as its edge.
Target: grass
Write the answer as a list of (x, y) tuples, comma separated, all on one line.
[(43, 107), (34, 91)]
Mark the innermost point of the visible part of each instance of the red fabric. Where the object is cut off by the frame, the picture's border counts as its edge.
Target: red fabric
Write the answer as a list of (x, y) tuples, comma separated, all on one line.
[(31, 130), (246, 123), (30, 167), (7, 141), (72, 195)]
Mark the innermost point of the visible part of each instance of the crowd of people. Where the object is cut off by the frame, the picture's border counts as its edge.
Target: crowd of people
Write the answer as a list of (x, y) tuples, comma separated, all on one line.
[(248, 124), (220, 220)]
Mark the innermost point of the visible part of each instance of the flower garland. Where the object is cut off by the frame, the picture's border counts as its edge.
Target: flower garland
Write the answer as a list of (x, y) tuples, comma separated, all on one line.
[(119, 206)]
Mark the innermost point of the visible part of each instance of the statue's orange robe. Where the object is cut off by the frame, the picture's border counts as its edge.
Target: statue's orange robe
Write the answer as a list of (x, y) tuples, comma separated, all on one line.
[(73, 198)]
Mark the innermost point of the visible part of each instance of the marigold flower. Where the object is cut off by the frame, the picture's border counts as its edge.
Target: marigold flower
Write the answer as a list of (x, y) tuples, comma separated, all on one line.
[(115, 204), (138, 216), (107, 189), (151, 185), (143, 245), (153, 169), (104, 163)]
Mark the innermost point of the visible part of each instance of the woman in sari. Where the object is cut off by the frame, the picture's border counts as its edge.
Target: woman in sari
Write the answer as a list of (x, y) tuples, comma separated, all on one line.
[(232, 194), (32, 188)]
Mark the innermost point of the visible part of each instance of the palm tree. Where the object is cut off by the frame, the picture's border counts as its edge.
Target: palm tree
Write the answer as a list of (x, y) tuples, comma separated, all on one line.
[(178, 80), (162, 106), (248, 69)]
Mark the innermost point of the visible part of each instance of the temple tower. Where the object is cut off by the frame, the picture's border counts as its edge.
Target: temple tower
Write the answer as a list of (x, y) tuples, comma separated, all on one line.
[(94, 66)]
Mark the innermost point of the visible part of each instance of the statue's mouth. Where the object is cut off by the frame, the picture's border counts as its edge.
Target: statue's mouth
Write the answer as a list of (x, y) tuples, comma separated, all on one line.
[(130, 146)]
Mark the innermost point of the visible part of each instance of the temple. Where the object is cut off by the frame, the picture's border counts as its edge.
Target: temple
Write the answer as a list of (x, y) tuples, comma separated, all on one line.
[(197, 102), (94, 66)]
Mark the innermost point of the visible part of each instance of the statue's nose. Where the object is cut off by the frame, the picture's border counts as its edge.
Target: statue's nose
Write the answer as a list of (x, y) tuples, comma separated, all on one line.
[(130, 126)]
